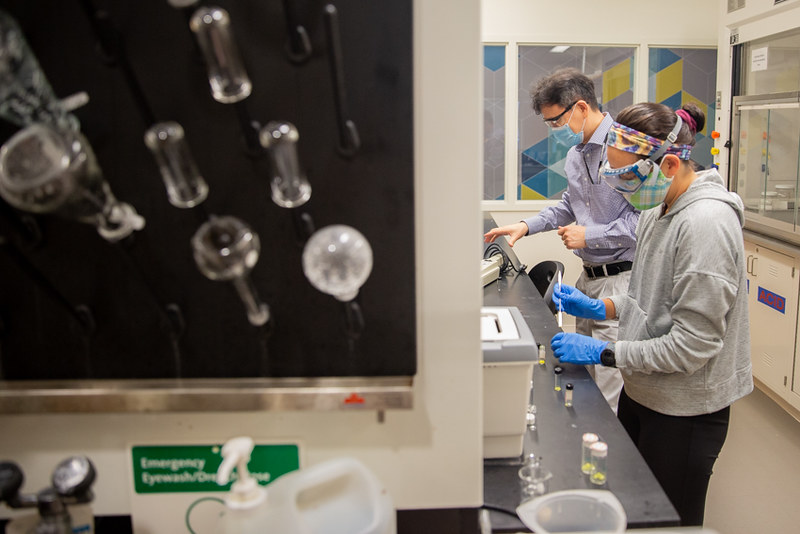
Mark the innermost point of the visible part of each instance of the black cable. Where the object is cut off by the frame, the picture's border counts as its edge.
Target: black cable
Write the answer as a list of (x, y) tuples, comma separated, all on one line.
[(492, 250)]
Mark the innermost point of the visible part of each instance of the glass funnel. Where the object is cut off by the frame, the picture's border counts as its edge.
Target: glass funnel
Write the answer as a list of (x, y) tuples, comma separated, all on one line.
[(25, 94), (49, 170), (225, 248)]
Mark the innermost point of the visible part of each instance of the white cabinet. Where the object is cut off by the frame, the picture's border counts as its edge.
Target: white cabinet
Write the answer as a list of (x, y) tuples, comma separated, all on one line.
[(773, 280)]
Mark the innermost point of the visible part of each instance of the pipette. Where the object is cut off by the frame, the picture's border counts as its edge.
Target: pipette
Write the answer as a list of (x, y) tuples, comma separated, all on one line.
[(560, 309)]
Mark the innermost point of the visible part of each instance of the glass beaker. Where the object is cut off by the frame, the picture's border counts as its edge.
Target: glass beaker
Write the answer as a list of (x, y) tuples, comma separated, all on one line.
[(225, 248), (49, 170), (226, 73), (26, 96), (186, 188)]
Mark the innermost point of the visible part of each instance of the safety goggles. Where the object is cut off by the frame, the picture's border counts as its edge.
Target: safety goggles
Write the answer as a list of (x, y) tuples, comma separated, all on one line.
[(627, 179), (630, 178)]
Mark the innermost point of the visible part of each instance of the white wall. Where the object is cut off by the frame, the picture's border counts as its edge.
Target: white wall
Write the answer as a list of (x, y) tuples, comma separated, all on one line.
[(429, 456), (680, 23)]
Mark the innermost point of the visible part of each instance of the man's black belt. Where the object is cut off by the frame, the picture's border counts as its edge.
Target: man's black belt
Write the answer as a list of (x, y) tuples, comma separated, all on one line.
[(608, 269)]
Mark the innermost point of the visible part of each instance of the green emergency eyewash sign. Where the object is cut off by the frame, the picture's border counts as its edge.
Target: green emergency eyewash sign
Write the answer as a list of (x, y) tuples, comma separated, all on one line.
[(193, 468)]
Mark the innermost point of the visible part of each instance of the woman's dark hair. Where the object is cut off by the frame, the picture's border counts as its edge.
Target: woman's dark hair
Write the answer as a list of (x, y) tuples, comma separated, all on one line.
[(658, 120), (562, 88)]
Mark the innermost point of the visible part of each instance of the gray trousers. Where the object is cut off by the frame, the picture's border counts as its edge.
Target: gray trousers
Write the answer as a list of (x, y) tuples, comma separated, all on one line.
[(608, 379)]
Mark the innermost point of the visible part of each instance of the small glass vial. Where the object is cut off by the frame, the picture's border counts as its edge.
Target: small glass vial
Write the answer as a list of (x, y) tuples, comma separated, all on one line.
[(589, 439), (542, 354), (568, 395), (599, 474), (530, 417), (557, 377)]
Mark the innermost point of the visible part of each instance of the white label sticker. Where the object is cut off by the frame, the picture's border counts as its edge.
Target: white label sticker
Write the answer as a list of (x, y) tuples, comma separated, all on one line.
[(758, 59)]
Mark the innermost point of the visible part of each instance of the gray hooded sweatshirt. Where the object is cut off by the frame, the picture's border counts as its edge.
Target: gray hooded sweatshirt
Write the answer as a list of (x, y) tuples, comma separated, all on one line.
[(684, 340)]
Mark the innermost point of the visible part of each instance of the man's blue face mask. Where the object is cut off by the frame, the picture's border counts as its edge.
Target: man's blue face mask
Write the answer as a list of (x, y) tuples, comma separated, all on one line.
[(564, 135)]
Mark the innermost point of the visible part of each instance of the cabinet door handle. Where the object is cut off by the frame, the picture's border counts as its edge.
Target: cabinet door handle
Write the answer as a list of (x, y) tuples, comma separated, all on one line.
[(749, 264), (753, 266)]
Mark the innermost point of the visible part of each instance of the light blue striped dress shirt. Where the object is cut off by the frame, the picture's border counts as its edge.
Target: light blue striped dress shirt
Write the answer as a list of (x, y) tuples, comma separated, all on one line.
[(609, 219)]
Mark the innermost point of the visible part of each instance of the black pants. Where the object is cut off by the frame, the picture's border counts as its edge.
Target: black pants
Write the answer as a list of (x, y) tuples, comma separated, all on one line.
[(680, 451)]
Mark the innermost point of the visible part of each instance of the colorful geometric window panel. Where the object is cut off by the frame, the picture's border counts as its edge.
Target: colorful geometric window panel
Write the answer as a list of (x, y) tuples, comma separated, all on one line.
[(541, 159), (681, 75), (494, 121)]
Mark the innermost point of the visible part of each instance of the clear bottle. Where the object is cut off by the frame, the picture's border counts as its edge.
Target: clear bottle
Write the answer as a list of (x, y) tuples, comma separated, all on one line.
[(589, 439), (568, 395), (599, 474), (542, 354), (557, 370)]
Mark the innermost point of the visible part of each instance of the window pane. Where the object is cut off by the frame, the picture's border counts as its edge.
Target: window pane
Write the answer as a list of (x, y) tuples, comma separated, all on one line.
[(681, 75), (769, 65), (494, 121), (541, 158)]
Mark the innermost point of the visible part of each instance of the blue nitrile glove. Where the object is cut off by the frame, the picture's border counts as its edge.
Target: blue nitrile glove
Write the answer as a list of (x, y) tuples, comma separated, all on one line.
[(576, 303), (577, 348)]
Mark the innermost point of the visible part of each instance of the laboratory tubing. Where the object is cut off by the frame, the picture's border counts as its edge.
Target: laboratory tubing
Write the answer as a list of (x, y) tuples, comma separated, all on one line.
[(226, 73), (186, 188), (589, 439), (599, 474), (290, 188), (542, 354), (557, 370), (568, 395)]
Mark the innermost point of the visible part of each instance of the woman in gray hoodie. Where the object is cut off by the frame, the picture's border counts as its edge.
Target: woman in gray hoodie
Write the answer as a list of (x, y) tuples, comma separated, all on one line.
[(684, 345)]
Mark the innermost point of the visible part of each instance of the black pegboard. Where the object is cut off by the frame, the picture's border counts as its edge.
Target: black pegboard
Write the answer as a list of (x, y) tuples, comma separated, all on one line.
[(128, 286)]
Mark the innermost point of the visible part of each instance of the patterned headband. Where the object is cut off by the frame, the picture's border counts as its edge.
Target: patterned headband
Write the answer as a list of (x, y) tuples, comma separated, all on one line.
[(636, 142)]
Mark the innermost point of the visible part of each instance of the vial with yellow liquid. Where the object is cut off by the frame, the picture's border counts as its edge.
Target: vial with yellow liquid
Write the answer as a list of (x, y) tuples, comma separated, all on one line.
[(542, 354), (557, 370), (599, 474), (589, 439)]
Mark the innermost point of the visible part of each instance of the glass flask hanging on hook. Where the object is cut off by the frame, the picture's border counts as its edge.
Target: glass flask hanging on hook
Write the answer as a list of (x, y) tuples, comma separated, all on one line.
[(225, 248), (337, 260), (48, 170)]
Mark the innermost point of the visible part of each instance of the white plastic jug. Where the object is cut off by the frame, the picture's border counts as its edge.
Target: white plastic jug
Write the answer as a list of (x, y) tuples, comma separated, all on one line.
[(339, 496)]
